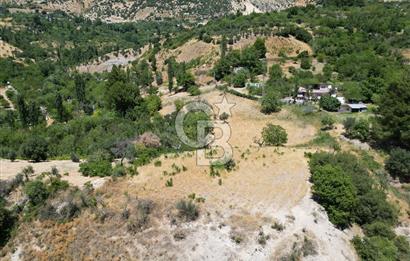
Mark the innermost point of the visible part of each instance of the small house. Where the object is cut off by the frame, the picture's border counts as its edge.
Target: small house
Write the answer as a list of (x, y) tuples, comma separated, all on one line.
[(359, 107)]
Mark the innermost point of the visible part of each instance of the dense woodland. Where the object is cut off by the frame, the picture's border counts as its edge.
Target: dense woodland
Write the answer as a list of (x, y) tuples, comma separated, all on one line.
[(96, 118)]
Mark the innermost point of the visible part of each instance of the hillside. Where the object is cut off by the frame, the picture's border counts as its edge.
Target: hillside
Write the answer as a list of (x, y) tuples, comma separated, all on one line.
[(119, 11), (267, 136)]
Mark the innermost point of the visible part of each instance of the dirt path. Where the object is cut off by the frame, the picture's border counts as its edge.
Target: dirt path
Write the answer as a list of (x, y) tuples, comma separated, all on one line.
[(9, 169), (3, 93)]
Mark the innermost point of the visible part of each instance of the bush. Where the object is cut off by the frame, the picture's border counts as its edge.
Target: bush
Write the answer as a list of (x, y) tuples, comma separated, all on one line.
[(153, 103), (35, 148), (139, 220), (379, 228), (357, 129), (101, 168), (224, 116), (370, 202), (306, 63), (336, 193), (398, 164), (187, 210), (74, 157), (36, 192), (7, 221), (270, 103), (375, 248), (274, 135), (119, 171), (239, 79), (327, 122), (12, 155), (329, 103), (194, 90), (56, 184)]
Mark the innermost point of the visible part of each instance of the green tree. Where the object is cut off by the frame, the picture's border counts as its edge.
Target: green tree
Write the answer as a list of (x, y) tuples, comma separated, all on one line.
[(35, 115), (335, 191), (22, 110), (171, 75), (357, 129), (306, 63), (7, 221), (123, 97), (379, 228), (185, 79), (275, 72), (35, 148), (329, 103), (274, 135), (79, 86), (36, 192), (260, 48), (375, 248), (398, 164), (153, 103), (394, 109), (353, 92), (61, 111), (239, 79), (143, 74), (224, 47), (270, 102), (327, 122)]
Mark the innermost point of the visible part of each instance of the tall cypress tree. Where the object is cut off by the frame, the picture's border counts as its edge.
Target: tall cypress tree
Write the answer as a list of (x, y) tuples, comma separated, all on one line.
[(60, 108), (80, 89), (22, 110), (224, 47), (171, 75)]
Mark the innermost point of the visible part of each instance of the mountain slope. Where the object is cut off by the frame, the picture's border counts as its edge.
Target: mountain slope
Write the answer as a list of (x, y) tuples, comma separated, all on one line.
[(131, 10)]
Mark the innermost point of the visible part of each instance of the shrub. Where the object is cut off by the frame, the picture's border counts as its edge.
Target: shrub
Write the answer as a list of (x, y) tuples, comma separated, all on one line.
[(379, 228), (336, 193), (224, 116), (398, 164), (194, 90), (12, 155), (329, 103), (35, 148), (239, 79), (369, 203), (169, 183), (327, 122), (357, 129), (270, 103), (36, 192), (7, 221), (74, 157), (119, 171), (187, 210), (140, 218), (57, 185), (101, 168), (375, 248), (306, 63), (153, 103), (274, 135)]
